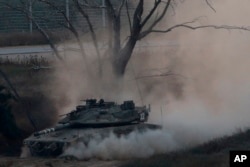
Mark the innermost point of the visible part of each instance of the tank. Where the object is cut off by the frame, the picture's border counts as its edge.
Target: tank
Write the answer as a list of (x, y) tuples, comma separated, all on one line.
[(88, 120)]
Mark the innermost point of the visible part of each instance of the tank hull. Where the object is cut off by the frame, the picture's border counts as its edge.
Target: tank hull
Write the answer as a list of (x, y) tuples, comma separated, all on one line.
[(53, 144)]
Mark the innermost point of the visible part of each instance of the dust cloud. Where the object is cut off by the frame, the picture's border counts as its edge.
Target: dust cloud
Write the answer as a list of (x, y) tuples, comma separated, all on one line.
[(215, 65), (134, 145), (208, 96)]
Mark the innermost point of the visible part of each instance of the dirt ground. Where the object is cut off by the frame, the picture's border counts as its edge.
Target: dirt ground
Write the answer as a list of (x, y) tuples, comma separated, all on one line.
[(42, 162)]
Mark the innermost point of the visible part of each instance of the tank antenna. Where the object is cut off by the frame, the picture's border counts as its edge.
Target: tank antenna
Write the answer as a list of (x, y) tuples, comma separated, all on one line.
[(137, 84), (161, 117)]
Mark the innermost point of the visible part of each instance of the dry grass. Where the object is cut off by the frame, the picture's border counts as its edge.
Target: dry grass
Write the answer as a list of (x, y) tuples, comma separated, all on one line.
[(24, 61), (211, 154), (40, 162), (181, 160), (24, 76), (6, 164), (239, 141)]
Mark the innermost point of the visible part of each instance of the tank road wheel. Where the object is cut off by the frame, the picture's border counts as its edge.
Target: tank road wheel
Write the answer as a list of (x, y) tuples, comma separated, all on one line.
[(46, 149)]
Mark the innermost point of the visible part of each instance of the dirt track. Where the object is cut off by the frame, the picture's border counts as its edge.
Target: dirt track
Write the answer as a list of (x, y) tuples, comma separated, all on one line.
[(40, 162)]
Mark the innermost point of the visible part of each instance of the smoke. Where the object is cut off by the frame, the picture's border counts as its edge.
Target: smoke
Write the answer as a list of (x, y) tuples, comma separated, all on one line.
[(215, 64), (208, 96), (134, 145)]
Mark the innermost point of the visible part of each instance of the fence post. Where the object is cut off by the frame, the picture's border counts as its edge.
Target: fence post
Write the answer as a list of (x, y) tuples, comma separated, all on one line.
[(103, 14), (31, 15), (67, 10)]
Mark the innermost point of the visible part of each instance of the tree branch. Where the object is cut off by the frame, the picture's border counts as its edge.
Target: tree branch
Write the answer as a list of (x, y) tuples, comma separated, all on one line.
[(92, 32), (156, 4), (6, 78), (128, 15), (115, 23), (187, 25), (110, 13), (110, 8), (45, 35), (146, 32), (200, 27), (72, 29), (158, 75), (136, 28), (162, 14), (120, 7), (209, 4), (95, 6), (70, 25)]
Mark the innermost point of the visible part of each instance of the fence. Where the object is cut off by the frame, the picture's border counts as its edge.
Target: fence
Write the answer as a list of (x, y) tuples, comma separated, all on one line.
[(15, 21), (12, 20)]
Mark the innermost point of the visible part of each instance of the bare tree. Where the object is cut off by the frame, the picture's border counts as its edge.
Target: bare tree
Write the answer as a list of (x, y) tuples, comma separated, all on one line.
[(141, 24)]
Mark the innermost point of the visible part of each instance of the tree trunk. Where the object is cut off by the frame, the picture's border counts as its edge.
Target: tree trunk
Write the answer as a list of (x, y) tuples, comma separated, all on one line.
[(117, 35), (121, 60)]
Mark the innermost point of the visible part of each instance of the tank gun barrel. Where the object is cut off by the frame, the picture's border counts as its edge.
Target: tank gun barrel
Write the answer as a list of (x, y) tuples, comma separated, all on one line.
[(49, 130)]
